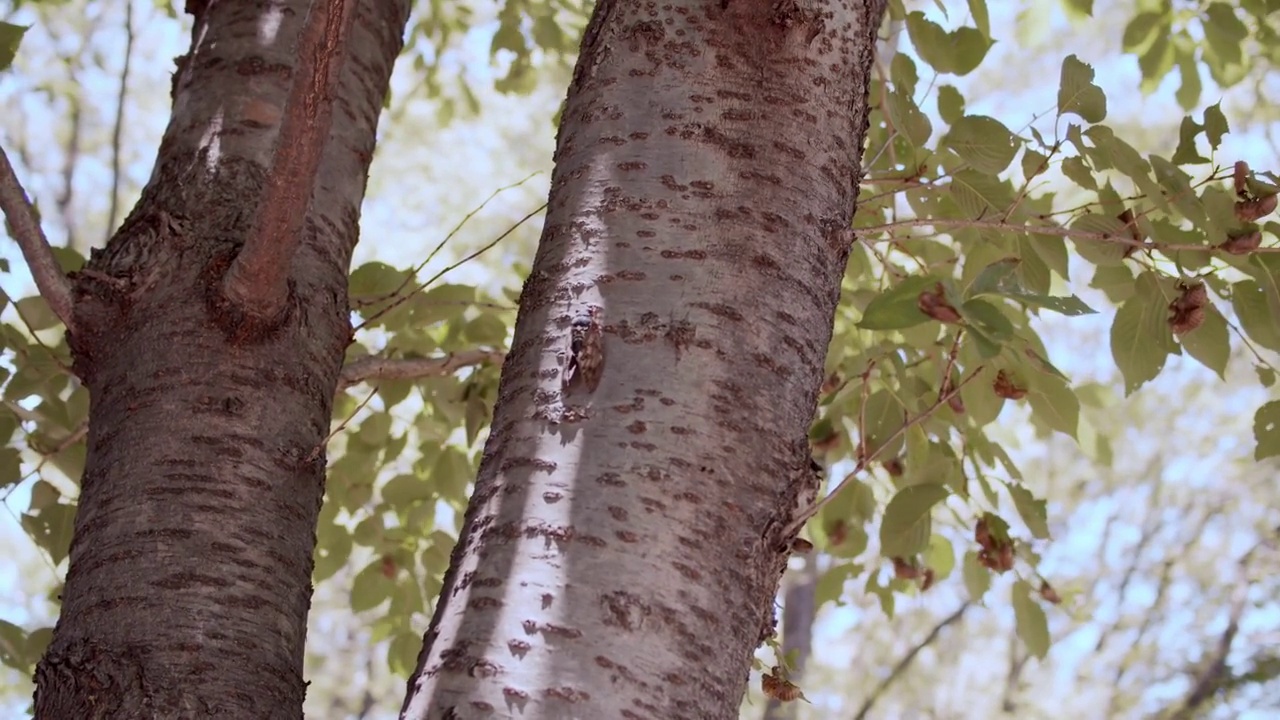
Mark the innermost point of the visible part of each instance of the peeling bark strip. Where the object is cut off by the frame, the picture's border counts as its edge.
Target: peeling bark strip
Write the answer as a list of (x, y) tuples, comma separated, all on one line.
[(621, 565), (257, 283), (190, 564)]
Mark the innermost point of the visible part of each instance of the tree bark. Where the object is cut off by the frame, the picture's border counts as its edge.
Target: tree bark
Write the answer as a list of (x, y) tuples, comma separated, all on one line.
[(190, 565), (621, 550)]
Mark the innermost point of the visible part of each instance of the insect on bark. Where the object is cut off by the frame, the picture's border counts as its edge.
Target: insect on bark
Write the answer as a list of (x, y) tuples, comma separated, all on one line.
[(586, 351)]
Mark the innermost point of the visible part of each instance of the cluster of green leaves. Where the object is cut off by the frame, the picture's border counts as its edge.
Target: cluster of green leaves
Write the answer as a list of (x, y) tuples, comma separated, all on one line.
[(1228, 39), (969, 237), (401, 469), (44, 411)]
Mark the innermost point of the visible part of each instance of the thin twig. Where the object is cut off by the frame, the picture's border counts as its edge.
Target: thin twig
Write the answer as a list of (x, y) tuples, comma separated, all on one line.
[(867, 458), (405, 296), (257, 283), (905, 663), (44, 267), (118, 130), (67, 196), (315, 451), (377, 368), (440, 245), (1057, 230)]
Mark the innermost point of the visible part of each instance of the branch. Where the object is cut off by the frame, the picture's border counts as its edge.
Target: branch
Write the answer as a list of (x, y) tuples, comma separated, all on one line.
[(257, 283), (1058, 230), (1215, 674), (376, 368), (50, 280), (910, 657), (118, 128), (804, 515)]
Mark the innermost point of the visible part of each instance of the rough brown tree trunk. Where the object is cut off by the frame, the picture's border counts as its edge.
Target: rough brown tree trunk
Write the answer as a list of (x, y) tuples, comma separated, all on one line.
[(190, 567), (622, 548)]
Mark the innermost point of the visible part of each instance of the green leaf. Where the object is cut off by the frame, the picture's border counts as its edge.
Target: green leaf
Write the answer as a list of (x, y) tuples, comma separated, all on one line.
[(1032, 625), (1187, 154), (905, 529), (958, 52), (1140, 335), (830, 585), (978, 10), (851, 545), (1033, 511), (983, 142), (1078, 172), (10, 466), (370, 588), (402, 653), (902, 71), (908, 119), (1249, 300), (950, 104), (884, 417), (1078, 94), (1122, 156), (36, 313), (898, 307), (940, 557), (1266, 375), (1068, 305), (376, 279), (1215, 124), (10, 38), (1266, 430), (1053, 402), (1100, 252), (1140, 31), (978, 194), (1188, 94), (403, 490), (1210, 343), (977, 579)]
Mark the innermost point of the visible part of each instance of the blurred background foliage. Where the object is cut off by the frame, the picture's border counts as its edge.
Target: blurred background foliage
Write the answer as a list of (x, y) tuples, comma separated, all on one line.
[(1161, 568)]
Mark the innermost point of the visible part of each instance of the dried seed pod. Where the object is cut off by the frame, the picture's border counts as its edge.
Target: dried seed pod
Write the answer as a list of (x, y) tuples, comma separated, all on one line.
[(779, 688), (893, 467), (935, 305), (982, 534), (1240, 178), (926, 579), (1242, 244), (904, 570), (1005, 387), (1186, 312), (1250, 210), (1049, 594)]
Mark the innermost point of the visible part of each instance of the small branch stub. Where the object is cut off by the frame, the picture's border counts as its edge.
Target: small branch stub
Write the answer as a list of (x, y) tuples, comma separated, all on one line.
[(50, 280), (256, 284)]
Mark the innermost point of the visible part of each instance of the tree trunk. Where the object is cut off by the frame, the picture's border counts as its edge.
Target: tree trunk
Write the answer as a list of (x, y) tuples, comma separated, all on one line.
[(623, 545), (190, 566)]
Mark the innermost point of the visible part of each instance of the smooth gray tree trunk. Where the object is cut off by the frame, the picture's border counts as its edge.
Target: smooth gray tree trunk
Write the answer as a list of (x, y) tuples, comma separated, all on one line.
[(623, 545)]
